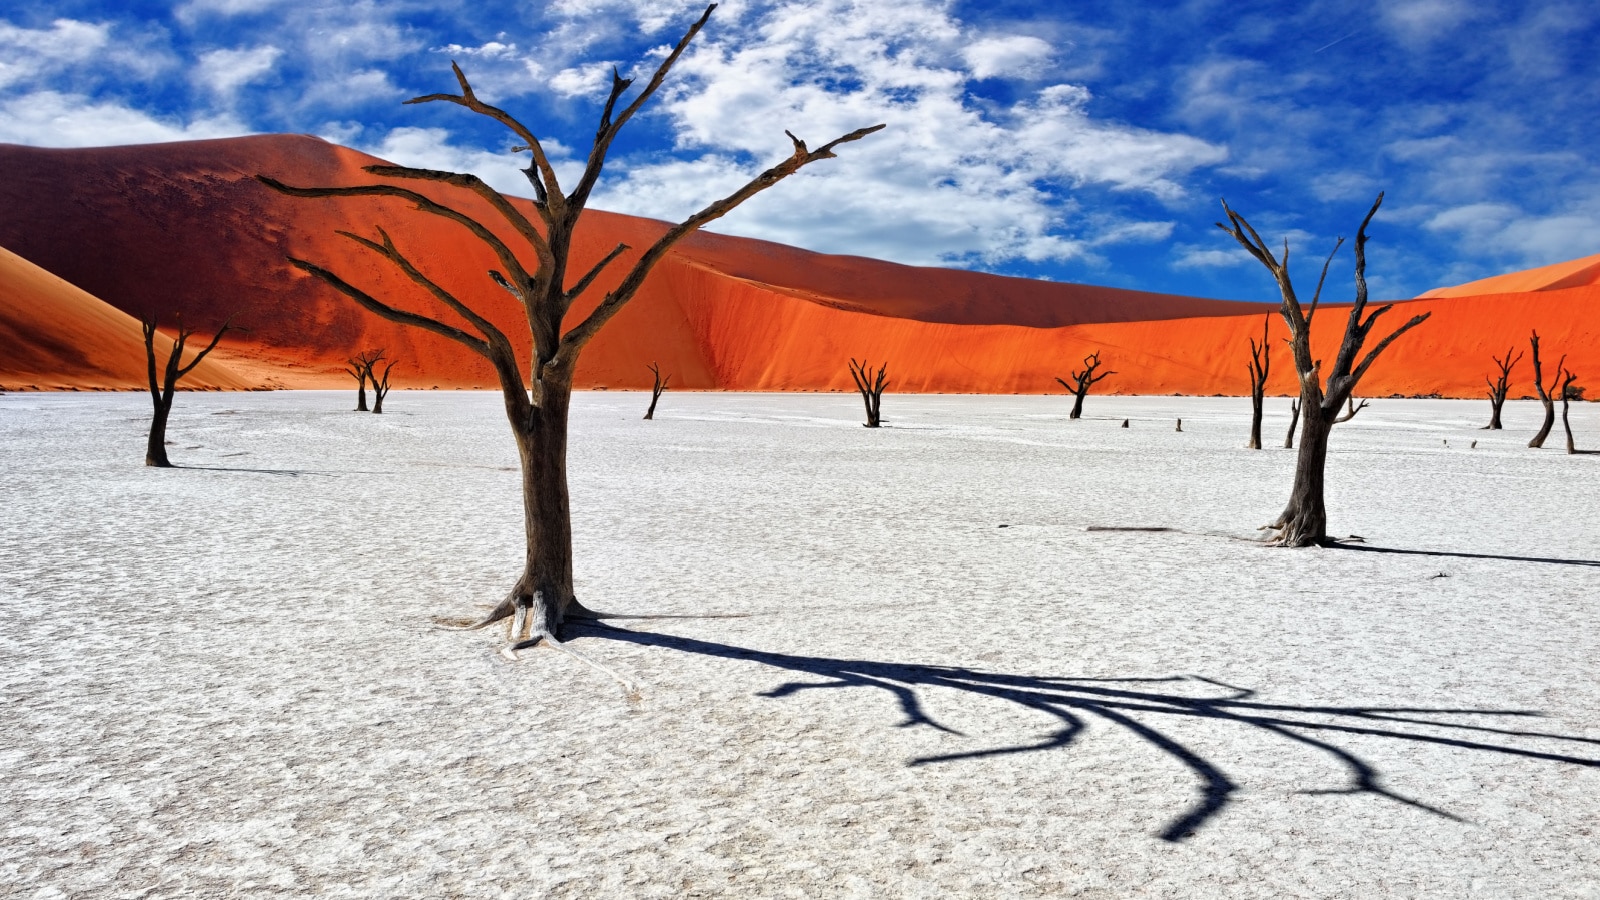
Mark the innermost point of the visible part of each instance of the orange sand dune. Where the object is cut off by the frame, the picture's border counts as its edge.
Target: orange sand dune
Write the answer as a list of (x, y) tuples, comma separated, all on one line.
[(186, 227), (57, 337), (1574, 273)]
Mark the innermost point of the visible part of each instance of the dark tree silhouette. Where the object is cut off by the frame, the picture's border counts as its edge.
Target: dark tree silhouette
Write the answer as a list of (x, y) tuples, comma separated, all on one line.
[(163, 388), (871, 387), (360, 367), (1305, 519), (1544, 393), (656, 389), (1260, 365), (1157, 710), (542, 599), (1082, 381), (380, 386), (1350, 410), (1499, 387), (1568, 393), (1294, 422)]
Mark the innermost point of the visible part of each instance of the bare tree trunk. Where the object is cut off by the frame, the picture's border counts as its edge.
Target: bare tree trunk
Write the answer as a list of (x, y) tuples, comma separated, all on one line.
[(543, 594), (655, 391), (1305, 520), (1082, 381), (1294, 422), (155, 451), (542, 598), (380, 386), (163, 388), (1260, 365), (871, 387), (1544, 395), (1566, 396), (1499, 387)]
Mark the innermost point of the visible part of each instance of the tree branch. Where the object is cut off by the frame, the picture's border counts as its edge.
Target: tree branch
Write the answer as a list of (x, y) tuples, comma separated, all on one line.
[(580, 336), (583, 283), (608, 129), (476, 185), (546, 183), (377, 307)]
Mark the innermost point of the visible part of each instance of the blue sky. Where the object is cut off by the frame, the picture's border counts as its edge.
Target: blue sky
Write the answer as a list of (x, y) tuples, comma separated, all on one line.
[(1079, 142)]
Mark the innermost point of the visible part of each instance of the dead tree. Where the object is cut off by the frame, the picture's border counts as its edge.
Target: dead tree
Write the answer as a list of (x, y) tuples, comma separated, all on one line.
[(163, 388), (1350, 410), (1305, 518), (537, 275), (1499, 387), (1544, 393), (1568, 392), (380, 386), (360, 367), (656, 389), (871, 387), (1082, 381), (1260, 365), (1294, 422)]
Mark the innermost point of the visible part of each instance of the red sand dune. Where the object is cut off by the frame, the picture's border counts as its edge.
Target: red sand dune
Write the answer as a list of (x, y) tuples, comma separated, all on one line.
[(186, 227), (57, 337), (1574, 273)]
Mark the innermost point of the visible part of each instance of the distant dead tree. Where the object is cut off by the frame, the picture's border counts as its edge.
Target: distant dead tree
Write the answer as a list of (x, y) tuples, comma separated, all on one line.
[(1350, 410), (1304, 520), (1544, 393), (360, 367), (655, 390), (542, 598), (1082, 381), (1568, 392), (871, 387), (380, 386), (163, 388), (1294, 422), (1499, 387), (1260, 365)]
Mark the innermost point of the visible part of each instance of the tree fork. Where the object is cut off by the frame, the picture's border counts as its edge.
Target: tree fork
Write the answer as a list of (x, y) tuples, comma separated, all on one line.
[(536, 406), (163, 389), (1260, 365), (1304, 520), (1500, 386), (656, 389), (1544, 394)]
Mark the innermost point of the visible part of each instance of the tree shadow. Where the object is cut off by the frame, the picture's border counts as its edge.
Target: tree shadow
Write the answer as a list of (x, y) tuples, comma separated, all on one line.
[(293, 473), (1139, 705), (1552, 560)]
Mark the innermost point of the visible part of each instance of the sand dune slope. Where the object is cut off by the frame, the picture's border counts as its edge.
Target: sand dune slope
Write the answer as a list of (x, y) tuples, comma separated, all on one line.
[(58, 337), (186, 226)]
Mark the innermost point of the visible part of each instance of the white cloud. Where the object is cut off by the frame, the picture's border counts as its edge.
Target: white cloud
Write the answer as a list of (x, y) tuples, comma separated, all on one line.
[(949, 180), (51, 119), (1190, 257), (590, 80), (25, 51), (225, 71), (1417, 22), (1009, 55)]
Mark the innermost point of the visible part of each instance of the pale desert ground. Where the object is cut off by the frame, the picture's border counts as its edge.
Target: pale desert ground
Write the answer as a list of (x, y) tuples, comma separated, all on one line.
[(223, 680)]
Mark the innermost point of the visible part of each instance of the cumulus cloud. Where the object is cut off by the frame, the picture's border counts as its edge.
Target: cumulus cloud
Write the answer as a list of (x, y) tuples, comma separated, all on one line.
[(51, 119), (1006, 55), (223, 72), (949, 181), (25, 51)]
